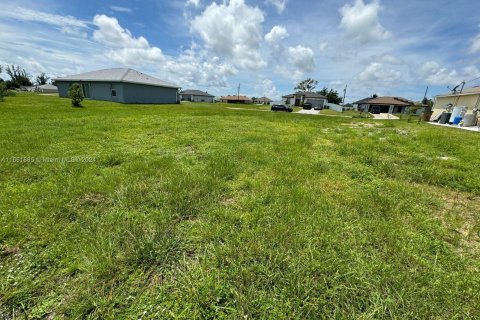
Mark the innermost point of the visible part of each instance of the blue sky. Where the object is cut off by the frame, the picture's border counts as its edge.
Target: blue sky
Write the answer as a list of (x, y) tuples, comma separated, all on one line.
[(386, 47)]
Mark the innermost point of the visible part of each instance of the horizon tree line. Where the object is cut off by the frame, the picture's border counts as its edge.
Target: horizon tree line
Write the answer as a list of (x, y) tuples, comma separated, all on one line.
[(19, 77)]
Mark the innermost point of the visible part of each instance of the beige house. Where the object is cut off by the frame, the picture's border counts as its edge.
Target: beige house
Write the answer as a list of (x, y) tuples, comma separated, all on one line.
[(469, 98), (236, 99), (384, 104)]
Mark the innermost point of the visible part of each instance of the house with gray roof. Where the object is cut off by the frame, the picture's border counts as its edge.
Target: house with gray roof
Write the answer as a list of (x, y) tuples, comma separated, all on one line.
[(120, 85), (196, 96)]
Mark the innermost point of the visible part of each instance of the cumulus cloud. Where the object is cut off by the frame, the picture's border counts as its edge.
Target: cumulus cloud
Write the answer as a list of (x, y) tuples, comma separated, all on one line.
[(193, 68), (232, 30), (266, 88), (301, 57), (388, 59), (361, 21), (126, 49), (279, 4), (377, 72), (475, 45), (433, 73), (194, 3), (277, 34)]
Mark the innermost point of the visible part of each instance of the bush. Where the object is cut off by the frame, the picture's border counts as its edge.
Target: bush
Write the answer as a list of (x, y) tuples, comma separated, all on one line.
[(75, 93), (4, 92)]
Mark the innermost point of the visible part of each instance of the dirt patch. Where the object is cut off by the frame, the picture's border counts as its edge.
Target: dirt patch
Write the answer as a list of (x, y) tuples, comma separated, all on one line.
[(227, 201), (361, 125), (460, 214), (92, 199), (10, 251)]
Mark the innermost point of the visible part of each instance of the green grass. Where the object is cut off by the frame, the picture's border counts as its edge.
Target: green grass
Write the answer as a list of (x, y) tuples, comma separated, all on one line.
[(198, 211)]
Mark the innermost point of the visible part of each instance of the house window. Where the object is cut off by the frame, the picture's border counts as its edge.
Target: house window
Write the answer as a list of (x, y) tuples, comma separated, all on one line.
[(86, 90), (114, 93)]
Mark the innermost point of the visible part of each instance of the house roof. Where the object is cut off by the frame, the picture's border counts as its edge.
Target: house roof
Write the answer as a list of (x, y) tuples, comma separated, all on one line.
[(238, 98), (362, 101), (469, 91), (47, 87), (119, 75), (196, 93), (264, 99), (396, 101), (311, 95)]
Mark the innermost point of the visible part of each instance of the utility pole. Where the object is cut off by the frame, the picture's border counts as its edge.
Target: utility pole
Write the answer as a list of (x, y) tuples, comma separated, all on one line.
[(238, 94), (345, 93), (426, 92)]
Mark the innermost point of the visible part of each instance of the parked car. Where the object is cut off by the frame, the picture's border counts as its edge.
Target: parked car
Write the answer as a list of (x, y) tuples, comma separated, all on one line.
[(281, 107), (307, 106), (376, 110), (318, 107)]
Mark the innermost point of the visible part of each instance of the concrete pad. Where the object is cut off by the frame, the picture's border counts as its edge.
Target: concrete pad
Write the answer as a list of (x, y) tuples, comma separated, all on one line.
[(384, 116), (474, 129)]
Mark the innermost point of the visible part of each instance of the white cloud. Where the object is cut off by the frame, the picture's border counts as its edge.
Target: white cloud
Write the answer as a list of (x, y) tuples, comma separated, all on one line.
[(433, 73), (266, 88), (193, 68), (194, 3), (125, 48), (279, 4), (232, 31), (475, 45), (301, 57), (361, 21), (323, 46), (66, 24), (375, 72), (277, 34), (388, 59), (121, 9)]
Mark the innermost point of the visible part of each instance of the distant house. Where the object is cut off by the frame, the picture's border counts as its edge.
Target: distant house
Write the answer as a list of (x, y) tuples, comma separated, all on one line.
[(236, 99), (299, 98), (386, 104), (196, 96), (121, 85), (46, 88), (262, 100)]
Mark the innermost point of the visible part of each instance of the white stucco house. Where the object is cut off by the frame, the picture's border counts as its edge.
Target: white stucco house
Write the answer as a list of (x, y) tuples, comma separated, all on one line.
[(299, 98)]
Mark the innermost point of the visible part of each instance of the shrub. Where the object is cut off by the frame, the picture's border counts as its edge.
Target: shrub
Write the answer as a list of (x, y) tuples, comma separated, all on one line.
[(75, 93), (4, 92)]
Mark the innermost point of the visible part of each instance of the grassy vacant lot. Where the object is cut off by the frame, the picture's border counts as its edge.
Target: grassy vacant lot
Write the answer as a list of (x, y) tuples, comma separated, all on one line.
[(199, 211)]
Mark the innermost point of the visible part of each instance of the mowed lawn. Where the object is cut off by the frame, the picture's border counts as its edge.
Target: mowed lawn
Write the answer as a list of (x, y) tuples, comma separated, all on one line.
[(199, 212)]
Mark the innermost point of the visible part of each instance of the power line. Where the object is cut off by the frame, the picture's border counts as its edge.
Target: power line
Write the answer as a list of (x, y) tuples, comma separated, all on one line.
[(473, 80)]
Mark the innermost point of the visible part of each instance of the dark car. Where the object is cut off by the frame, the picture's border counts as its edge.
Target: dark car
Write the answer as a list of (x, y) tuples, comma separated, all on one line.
[(307, 106), (376, 110), (281, 107)]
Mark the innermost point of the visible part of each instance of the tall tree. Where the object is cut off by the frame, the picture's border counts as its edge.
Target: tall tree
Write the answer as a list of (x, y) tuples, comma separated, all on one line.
[(42, 79), (307, 85), (374, 96), (332, 95), (19, 77)]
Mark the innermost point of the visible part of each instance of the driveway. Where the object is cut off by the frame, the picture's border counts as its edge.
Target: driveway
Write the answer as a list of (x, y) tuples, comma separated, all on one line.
[(319, 113), (312, 111), (384, 116)]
